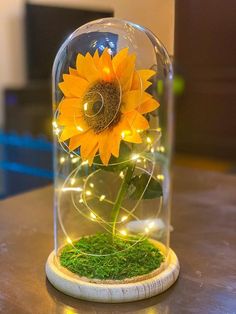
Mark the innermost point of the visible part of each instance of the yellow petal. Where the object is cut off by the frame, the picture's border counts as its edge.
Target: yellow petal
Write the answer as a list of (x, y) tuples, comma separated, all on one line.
[(73, 71), (140, 79), (79, 139), (67, 133), (92, 155), (115, 143), (80, 124), (73, 121), (104, 144), (134, 137), (75, 141), (105, 67), (130, 100), (136, 82), (119, 57), (72, 128), (148, 106), (64, 88), (75, 85), (90, 70), (123, 127), (146, 74), (80, 65), (137, 121), (67, 120), (146, 96), (146, 84), (96, 58), (124, 72), (88, 145), (70, 107)]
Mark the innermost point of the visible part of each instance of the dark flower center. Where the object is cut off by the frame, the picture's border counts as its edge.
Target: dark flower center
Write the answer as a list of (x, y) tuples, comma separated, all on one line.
[(101, 105)]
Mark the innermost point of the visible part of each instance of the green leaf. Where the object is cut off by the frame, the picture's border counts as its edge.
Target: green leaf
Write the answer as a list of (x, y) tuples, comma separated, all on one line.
[(138, 184)]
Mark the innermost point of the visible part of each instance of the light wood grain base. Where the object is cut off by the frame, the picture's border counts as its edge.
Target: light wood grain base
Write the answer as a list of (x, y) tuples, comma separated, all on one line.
[(74, 286)]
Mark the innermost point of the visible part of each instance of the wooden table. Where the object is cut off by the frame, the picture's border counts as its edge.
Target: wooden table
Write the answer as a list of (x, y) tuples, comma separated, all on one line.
[(204, 238)]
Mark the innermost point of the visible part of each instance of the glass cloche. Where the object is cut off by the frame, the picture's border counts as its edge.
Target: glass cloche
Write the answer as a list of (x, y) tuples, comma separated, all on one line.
[(112, 123)]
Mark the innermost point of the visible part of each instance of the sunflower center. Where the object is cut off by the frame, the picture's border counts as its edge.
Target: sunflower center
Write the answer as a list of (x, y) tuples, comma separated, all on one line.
[(101, 105)]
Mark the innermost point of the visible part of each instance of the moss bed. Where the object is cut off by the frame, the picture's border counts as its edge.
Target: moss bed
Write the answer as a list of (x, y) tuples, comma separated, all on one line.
[(124, 259)]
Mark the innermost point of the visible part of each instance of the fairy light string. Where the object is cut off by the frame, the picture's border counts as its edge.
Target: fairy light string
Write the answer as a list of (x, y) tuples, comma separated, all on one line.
[(69, 186)]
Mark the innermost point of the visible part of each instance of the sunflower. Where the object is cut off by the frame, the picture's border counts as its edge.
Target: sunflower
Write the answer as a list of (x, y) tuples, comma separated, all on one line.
[(104, 103)]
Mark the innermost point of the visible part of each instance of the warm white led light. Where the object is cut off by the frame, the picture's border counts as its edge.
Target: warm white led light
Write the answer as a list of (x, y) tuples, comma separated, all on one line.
[(54, 124), (91, 185), (76, 189), (88, 193), (62, 160), (72, 181), (79, 128), (151, 225), (123, 232), (149, 140), (161, 149), (84, 162), (93, 216), (160, 177), (122, 175), (124, 218), (135, 157), (102, 197), (125, 133), (56, 131), (85, 106), (74, 160), (69, 240)]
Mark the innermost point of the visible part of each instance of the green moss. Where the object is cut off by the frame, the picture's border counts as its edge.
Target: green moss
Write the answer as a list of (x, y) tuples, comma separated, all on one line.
[(126, 257)]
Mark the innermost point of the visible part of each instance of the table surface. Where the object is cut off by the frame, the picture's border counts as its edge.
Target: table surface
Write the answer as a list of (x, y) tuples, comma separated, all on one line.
[(204, 238)]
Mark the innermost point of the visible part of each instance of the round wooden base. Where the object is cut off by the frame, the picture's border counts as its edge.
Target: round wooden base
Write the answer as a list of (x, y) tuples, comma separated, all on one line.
[(73, 285)]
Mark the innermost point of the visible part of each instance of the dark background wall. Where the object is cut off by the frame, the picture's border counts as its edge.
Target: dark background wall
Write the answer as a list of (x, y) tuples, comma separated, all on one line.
[(205, 55)]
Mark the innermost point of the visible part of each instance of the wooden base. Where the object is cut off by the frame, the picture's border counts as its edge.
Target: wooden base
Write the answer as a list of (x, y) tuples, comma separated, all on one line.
[(73, 285)]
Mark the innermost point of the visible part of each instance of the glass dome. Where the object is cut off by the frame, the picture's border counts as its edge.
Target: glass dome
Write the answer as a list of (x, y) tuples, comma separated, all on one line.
[(112, 121)]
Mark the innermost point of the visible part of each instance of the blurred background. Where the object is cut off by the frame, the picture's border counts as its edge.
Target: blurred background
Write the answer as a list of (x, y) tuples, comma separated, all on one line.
[(199, 36)]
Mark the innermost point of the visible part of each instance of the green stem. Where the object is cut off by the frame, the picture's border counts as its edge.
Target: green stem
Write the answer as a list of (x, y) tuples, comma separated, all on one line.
[(120, 196)]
